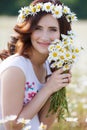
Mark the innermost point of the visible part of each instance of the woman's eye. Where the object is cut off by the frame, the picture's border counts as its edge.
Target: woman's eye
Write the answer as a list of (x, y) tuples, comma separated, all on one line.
[(54, 29), (37, 28)]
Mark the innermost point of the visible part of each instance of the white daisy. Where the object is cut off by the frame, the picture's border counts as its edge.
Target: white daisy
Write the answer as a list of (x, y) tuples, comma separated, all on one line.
[(54, 54), (66, 10), (21, 18), (71, 17), (56, 41), (57, 12), (51, 48), (22, 120), (42, 126), (66, 67), (47, 7), (39, 6), (60, 64)]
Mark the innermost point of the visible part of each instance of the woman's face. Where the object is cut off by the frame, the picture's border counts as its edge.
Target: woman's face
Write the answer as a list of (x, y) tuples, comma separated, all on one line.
[(46, 31)]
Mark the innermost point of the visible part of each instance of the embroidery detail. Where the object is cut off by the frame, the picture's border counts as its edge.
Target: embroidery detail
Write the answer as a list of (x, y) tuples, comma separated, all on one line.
[(30, 91)]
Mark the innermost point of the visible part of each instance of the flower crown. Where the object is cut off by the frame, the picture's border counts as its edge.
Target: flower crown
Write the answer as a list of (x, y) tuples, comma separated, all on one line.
[(56, 10)]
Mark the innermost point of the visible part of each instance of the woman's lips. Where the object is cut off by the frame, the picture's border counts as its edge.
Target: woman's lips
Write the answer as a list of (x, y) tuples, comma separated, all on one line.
[(44, 44)]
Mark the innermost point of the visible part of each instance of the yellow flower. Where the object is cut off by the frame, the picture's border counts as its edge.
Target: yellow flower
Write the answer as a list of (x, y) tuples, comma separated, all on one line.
[(73, 56), (58, 46), (33, 10), (66, 67), (23, 16), (77, 50), (55, 54), (57, 12), (62, 57), (61, 50), (39, 6), (47, 7), (65, 42), (27, 11), (67, 54), (66, 10), (59, 64), (51, 47)]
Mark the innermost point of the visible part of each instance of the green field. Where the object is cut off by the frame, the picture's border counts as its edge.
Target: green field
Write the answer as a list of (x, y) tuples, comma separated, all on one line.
[(77, 90)]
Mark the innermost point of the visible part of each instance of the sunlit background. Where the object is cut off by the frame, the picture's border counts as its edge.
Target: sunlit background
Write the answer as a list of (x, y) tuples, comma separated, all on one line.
[(77, 90)]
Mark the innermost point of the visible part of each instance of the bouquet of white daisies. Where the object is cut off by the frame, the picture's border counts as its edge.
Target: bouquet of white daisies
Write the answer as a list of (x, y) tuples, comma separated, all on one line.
[(62, 53)]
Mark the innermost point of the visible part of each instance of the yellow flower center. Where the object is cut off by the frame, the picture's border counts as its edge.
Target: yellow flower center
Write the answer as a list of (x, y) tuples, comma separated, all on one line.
[(56, 12), (73, 56), (57, 46), (51, 47), (48, 7), (67, 55), (61, 50), (65, 10), (27, 11), (60, 64), (62, 57), (65, 42), (73, 17), (33, 10), (54, 54), (23, 16), (73, 50), (76, 50), (71, 41), (38, 7), (66, 66)]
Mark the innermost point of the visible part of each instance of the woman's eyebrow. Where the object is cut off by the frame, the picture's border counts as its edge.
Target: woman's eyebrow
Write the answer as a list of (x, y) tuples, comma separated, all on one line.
[(39, 26), (53, 27), (50, 27)]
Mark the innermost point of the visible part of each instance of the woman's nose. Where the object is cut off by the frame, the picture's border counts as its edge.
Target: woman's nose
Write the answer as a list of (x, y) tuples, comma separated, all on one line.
[(45, 36)]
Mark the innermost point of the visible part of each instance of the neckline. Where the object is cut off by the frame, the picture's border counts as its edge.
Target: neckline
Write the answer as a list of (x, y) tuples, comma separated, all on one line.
[(35, 74)]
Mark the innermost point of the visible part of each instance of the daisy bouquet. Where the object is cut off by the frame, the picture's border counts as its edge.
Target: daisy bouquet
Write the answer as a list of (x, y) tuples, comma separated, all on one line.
[(62, 53)]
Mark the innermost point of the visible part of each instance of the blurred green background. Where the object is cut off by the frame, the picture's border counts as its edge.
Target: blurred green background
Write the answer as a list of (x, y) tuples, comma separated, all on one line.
[(11, 7)]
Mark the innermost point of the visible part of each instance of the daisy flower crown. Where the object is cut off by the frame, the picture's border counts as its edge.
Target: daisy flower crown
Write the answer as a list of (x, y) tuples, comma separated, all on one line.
[(56, 10)]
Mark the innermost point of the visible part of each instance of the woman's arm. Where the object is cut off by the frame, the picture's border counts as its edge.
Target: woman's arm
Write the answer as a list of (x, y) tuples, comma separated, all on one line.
[(12, 85), (12, 93), (12, 90), (47, 120)]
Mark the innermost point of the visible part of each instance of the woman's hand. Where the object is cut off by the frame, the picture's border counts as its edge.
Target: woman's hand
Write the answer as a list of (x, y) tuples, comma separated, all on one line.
[(58, 80), (4, 54)]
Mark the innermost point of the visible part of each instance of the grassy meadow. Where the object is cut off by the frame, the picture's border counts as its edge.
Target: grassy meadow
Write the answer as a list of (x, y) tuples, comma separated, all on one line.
[(77, 90)]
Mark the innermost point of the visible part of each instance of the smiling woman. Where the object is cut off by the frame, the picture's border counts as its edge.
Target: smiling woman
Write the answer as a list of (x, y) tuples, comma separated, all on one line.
[(38, 26), (49, 31)]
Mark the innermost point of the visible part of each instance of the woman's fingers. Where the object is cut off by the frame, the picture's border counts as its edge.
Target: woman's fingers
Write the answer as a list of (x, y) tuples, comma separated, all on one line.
[(66, 80), (65, 75)]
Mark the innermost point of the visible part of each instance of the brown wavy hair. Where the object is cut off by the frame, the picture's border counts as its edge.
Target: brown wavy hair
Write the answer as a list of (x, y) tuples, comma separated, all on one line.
[(21, 42)]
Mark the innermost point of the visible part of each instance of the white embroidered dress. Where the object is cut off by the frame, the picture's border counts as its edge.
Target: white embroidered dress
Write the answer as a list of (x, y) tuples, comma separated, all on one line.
[(32, 85)]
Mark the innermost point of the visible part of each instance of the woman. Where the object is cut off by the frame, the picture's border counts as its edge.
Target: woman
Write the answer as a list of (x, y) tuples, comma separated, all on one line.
[(25, 92)]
